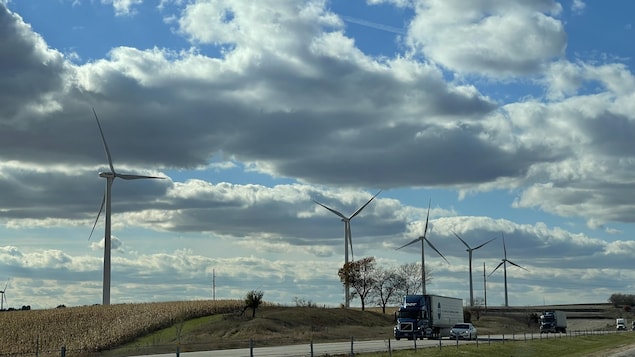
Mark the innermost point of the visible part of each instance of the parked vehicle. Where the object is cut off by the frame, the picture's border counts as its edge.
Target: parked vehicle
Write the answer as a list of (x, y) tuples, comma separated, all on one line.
[(553, 321), (620, 324), (464, 330), (427, 316)]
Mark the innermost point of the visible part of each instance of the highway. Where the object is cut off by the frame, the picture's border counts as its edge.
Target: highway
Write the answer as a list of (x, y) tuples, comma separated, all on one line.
[(345, 348), (334, 348)]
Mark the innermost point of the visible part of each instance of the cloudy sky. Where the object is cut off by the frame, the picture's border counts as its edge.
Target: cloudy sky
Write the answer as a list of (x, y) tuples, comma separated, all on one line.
[(512, 117)]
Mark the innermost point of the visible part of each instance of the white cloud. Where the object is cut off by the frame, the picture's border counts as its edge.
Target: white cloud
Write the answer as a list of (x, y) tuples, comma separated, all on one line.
[(578, 6), (497, 38), (123, 7)]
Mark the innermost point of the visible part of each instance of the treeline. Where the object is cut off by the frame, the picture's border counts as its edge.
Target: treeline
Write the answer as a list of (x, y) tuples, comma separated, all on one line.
[(381, 285), (622, 300)]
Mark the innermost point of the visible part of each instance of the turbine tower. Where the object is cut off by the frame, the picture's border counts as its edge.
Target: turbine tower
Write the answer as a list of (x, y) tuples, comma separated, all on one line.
[(347, 239), (3, 298), (110, 178), (504, 262), (424, 240), (469, 253)]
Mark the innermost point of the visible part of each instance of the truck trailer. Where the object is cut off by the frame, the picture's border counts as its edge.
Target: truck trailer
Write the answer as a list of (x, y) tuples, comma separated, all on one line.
[(553, 321), (427, 316)]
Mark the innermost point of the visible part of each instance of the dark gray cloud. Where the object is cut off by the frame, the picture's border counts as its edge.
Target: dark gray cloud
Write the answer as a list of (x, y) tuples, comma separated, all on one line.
[(30, 73)]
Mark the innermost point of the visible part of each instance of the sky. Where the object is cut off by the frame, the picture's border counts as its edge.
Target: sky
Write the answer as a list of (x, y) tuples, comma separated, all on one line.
[(512, 118)]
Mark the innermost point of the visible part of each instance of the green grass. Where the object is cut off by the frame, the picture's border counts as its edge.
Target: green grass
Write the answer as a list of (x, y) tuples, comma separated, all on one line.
[(582, 346), (170, 335)]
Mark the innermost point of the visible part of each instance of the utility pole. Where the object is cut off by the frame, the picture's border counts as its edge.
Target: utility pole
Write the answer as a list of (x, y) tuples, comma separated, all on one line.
[(214, 284)]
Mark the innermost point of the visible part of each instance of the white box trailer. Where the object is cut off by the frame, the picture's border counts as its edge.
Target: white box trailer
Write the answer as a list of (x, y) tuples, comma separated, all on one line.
[(446, 311)]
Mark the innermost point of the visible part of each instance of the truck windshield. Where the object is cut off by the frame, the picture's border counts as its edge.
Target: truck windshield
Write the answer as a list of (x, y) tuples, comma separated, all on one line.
[(547, 318), (408, 314)]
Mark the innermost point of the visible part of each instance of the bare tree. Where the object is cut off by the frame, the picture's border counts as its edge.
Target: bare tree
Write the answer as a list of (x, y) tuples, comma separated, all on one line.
[(388, 283), (360, 275), (411, 273)]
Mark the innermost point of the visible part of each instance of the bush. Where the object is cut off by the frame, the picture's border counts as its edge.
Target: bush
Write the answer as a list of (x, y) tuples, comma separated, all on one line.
[(253, 299)]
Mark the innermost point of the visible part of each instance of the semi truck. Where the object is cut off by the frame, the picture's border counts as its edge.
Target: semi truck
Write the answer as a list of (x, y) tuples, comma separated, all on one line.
[(620, 324), (427, 316), (553, 321)]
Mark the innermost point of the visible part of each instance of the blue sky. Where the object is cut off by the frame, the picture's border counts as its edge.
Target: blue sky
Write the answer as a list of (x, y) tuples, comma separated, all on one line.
[(512, 117)]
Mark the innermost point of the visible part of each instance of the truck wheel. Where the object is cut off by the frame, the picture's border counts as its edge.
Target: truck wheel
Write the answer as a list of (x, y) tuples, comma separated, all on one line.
[(397, 338)]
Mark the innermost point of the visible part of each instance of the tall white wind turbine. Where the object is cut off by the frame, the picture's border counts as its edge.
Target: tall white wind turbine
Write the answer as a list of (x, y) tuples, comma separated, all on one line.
[(348, 241), (469, 252), (504, 262), (110, 178), (424, 240), (3, 298)]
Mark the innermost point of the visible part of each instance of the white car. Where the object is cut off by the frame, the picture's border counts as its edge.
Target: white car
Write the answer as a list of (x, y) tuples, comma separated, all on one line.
[(463, 330)]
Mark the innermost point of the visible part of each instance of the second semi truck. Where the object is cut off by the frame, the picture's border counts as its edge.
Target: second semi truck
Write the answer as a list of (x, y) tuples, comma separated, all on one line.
[(553, 321)]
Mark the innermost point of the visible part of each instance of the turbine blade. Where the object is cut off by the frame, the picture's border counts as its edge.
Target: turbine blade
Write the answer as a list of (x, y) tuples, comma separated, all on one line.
[(484, 243), (332, 210), (512, 263), (136, 177), (425, 230), (411, 242), (504, 247), (498, 266), (103, 139), (101, 208), (364, 206), (435, 249), (350, 240), (468, 247)]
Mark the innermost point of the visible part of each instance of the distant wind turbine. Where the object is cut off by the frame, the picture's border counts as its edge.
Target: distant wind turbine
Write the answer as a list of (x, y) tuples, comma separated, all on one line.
[(424, 240), (347, 237), (504, 262), (110, 178), (469, 252), (484, 287), (3, 298)]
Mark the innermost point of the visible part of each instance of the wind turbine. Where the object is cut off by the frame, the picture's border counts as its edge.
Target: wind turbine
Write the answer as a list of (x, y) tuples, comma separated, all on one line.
[(424, 240), (348, 238), (504, 262), (469, 252), (3, 298), (110, 178)]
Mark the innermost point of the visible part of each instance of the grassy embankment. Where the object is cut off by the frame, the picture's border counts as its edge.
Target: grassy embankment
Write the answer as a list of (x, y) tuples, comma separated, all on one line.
[(127, 329)]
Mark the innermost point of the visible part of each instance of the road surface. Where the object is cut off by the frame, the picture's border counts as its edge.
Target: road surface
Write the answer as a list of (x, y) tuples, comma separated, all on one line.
[(323, 349)]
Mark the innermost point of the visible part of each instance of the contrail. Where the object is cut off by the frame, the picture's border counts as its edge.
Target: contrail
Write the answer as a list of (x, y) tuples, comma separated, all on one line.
[(373, 25)]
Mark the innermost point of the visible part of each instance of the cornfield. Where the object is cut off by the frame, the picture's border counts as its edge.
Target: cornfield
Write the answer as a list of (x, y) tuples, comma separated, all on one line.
[(96, 328)]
